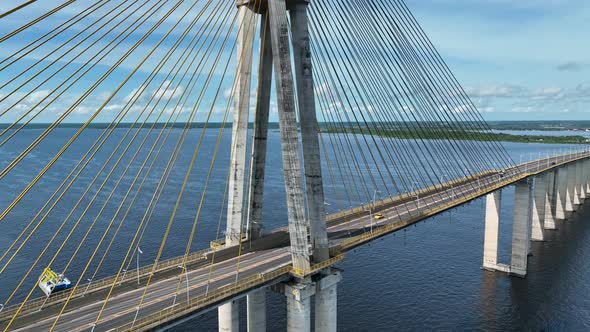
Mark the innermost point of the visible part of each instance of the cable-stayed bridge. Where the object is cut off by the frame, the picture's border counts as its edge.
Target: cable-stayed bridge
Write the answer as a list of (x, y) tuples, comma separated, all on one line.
[(126, 141)]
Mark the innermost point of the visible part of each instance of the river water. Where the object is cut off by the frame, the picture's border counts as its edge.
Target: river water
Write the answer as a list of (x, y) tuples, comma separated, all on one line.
[(425, 277)]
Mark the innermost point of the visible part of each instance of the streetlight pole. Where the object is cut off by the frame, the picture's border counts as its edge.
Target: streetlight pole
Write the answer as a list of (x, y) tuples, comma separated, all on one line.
[(371, 218), (89, 283), (373, 206), (186, 279), (138, 252), (123, 277)]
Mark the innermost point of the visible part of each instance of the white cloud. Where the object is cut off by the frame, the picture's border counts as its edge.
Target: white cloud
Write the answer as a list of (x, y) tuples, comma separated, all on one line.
[(547, 93), (500, 91), (82, 110), (487, 109), (227, 93), (167, 92), (522, 109), (37, 96)]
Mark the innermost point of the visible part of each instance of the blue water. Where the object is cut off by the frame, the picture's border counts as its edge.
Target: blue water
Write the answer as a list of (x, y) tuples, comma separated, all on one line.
[(426, 277)]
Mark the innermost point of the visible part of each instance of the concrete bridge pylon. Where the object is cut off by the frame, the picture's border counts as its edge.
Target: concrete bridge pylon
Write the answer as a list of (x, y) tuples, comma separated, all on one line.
[(308, 236)]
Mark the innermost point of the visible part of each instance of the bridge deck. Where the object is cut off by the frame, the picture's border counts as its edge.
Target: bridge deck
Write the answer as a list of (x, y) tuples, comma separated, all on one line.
[(265, 261)]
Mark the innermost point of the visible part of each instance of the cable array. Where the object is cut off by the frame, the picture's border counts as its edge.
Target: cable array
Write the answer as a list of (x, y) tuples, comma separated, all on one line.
[(113, 130), (395, 117)]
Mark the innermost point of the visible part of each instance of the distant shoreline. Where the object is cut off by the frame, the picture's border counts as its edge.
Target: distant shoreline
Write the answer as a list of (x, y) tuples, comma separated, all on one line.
[(399, 130), (444, 134), (549, 125)]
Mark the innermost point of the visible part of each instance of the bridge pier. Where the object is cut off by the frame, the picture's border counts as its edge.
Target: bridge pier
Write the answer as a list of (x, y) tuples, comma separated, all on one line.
[(298, 294), (323, 287), (539, 200), (561, 195), (571, 188), (579, 180), (576, 185), (326, 301), (554, 194), (521, 227), (492, 228), (550, 201), (256, 307), (228, 317)]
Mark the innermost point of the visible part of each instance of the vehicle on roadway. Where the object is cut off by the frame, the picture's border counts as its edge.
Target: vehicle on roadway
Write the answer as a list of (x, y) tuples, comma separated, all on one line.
[(379, 216), (51, 282)]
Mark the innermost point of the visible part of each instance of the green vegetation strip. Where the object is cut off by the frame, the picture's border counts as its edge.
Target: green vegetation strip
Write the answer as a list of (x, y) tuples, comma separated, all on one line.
[(466, 136)]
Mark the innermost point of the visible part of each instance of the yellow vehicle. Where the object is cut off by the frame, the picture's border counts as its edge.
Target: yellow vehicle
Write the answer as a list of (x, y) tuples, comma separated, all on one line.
[(378, 216)]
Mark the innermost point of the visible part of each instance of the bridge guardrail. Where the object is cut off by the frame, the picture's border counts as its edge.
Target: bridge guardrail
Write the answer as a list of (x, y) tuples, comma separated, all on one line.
[(200, 301), (386, 229), (388, 202), (82, 289), (359, 239), (317, 267)]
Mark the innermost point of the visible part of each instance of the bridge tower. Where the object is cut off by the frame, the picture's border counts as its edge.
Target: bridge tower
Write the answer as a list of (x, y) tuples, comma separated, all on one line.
[(308, 237)]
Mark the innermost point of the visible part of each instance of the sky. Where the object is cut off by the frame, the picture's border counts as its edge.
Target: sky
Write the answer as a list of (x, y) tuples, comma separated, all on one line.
[(518, 60)]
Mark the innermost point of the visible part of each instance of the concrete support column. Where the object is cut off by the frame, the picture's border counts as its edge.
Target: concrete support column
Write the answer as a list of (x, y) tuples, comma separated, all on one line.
[(570, 196), (326, 302), (228, 313), (309, 130), (299, 306), (561, 194), (538, 211), (256, 301), (521, 227), (549, 222), (492, 226), (229, 317), (240, 127), (580, 181), (279, 27), (257, 310)]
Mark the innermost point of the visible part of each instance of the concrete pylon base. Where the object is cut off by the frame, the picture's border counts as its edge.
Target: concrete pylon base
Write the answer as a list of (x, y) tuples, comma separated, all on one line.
[(521, 226), (491, 233), (517, 272), (570, 196), (298, 305), (326, 302), (228, 317), (256, 304), (561, 193), (550, 201), (539, 199)]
